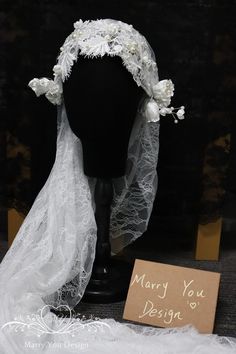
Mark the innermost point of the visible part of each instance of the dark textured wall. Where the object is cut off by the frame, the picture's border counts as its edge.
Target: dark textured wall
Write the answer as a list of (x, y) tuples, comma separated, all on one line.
[(194, 43)]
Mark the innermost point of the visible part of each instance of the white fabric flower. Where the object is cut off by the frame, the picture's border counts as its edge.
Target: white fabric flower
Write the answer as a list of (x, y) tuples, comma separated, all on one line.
[(57, 69), (132, 46), (78, 24), (48, 87), (180, 113), (164, 111), (112, 29), (39, 86), (117, 48), (162, 92), (152, 111), (54, 93)]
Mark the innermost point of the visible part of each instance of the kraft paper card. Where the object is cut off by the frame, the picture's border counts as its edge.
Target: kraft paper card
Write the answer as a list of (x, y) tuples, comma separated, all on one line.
[(170, 296)]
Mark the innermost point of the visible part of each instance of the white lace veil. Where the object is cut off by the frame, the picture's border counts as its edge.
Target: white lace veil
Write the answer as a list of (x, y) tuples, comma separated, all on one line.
[(52, 255)]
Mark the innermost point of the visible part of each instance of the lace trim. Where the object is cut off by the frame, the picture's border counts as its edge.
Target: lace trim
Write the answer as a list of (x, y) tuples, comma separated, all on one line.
[(110, 37)]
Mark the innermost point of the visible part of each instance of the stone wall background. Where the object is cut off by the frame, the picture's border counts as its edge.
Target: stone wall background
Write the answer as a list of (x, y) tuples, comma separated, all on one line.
[(194, 43)]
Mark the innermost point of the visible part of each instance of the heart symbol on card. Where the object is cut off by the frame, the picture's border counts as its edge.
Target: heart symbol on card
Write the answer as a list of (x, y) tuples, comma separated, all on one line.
[(193, 305)]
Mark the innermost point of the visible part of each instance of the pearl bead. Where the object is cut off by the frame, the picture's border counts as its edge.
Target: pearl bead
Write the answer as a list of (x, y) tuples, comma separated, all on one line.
[(145, 59)]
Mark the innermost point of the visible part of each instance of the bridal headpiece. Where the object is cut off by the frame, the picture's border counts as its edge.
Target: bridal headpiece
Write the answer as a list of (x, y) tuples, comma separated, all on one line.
[(99, 37)]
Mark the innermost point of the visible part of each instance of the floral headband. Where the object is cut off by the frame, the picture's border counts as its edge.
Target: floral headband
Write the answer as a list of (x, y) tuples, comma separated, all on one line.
[(99, 37)]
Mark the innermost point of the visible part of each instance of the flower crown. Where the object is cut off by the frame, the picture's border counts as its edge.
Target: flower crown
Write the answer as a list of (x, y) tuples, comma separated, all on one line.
[(99, 37)]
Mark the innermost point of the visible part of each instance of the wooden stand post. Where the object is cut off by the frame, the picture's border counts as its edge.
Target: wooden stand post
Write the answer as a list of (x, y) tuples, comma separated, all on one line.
[(208, 241), (15, 219)]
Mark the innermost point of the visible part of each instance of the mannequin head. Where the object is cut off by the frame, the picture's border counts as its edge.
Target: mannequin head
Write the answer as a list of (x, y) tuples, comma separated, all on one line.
[(108, 98)]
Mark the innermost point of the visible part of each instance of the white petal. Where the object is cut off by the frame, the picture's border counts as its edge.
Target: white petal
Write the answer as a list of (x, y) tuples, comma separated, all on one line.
[(152, 111), (180, 113)]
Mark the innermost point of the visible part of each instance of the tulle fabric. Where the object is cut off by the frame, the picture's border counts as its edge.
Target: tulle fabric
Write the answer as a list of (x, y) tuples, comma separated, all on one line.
[(134, 193), (49, 263), (109, 336), (56, 243), (51, 258), (52, 255)]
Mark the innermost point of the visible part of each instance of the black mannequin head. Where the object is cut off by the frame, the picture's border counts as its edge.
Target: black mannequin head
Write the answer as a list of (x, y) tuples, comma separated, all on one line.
[(101, 100)]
